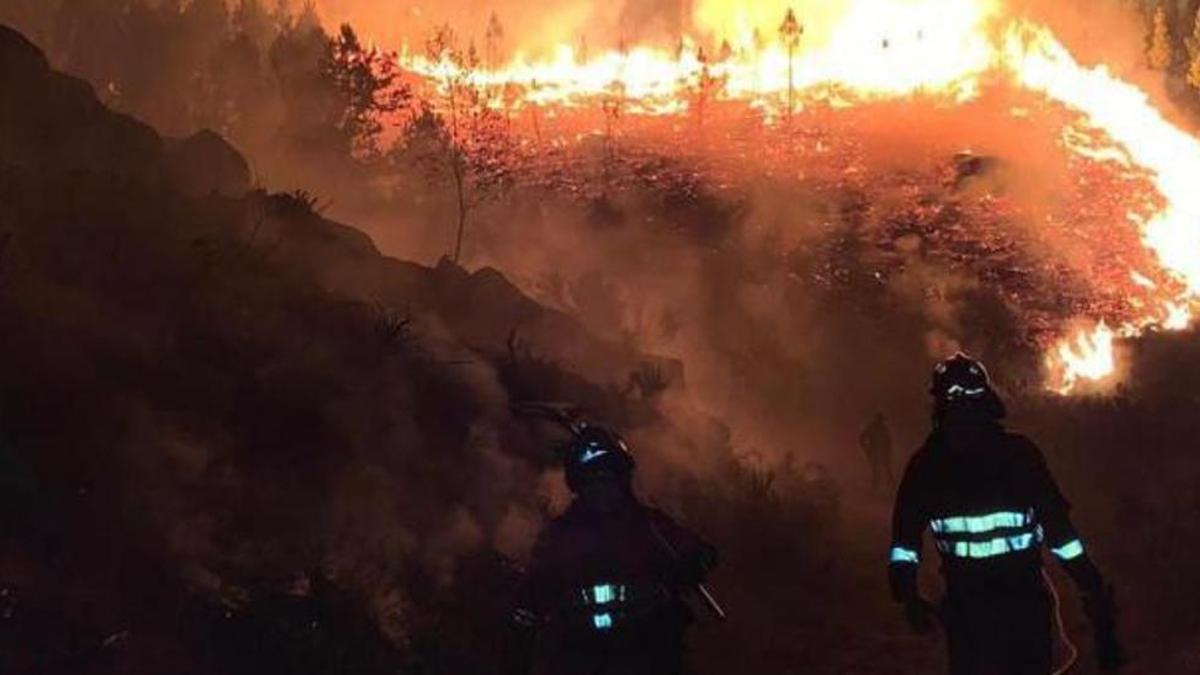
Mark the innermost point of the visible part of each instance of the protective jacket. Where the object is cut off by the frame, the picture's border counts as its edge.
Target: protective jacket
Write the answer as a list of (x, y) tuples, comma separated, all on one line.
[(605, 587), (990, 501), (991, 504)]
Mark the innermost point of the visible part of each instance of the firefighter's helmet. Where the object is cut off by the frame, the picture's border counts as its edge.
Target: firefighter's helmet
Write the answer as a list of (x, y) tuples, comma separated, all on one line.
[(960, 378), (596, 454)]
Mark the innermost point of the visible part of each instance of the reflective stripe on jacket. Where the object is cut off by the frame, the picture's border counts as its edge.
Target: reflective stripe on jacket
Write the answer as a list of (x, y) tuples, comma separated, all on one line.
[(989, 501)]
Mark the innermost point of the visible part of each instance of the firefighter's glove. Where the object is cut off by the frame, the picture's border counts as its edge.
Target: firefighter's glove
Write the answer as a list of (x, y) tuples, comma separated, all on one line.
[(1101, 610), (921, 615)]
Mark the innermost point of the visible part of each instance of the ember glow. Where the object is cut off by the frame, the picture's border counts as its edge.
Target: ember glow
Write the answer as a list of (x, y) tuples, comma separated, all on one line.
[(858, 51)]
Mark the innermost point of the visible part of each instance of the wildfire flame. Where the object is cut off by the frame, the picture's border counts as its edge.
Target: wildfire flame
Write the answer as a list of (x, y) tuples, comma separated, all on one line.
[(1088, 355), (872, 49), (867, 50)]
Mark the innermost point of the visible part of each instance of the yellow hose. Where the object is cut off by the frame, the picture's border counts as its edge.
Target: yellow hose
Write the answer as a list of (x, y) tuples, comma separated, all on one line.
[(1062, 628)]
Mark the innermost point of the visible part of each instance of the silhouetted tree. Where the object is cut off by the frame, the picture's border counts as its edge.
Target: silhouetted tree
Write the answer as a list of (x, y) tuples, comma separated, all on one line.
[(757, 40), (613, 107), (1193, 48), (707, 86), (443, 47), (494, 42), (726, 52), (477, 163), (1161, 53), (366, 82), (790, 31), (308, 99), (581, 49), (336, 93)]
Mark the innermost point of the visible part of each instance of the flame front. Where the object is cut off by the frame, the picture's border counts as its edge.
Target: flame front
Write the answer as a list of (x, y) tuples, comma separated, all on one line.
[(861, 50), (880, 48), (1172, 156), (866, 48)]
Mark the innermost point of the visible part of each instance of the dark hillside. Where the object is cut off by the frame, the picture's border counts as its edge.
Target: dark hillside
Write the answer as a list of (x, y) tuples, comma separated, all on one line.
[(235, 437)]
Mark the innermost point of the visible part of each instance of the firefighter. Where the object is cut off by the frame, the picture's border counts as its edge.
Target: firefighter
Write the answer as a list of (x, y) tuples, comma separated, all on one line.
[(608, 580), (990, 501), (876, 443)]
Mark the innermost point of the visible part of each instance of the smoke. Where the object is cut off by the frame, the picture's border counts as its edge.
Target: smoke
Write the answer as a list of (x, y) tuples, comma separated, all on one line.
[(745, 285), (786, 298)]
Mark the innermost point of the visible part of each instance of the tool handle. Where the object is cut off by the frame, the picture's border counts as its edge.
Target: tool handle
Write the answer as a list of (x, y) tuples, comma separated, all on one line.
[(701, 589), (711, 601)]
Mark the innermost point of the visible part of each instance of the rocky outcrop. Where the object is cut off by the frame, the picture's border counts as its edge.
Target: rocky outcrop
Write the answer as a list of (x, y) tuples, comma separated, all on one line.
[(53, 125), (206, 164), (53, 122)]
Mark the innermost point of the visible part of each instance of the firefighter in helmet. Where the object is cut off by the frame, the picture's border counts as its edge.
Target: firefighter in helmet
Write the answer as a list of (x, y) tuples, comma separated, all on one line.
[(991, 504), (606, 586)]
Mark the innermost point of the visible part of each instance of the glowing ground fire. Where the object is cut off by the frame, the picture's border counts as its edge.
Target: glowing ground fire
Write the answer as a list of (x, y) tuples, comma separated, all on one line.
[(862, 50)]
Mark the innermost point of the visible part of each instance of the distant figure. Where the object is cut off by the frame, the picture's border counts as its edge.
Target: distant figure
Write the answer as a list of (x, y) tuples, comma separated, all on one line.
[(608, 578), (876, 443), (991, 504)]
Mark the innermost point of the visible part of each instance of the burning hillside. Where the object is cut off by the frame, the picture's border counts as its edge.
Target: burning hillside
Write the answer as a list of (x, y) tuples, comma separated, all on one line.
[(287, 452), (1110, 256)]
